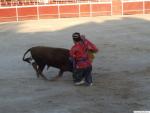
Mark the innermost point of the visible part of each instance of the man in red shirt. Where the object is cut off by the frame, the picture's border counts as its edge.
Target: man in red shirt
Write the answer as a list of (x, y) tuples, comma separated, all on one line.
[(81, 62)]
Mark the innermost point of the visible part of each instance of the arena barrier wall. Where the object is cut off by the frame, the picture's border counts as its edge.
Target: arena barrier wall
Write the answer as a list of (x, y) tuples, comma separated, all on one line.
[(136, 7), (37, 10)]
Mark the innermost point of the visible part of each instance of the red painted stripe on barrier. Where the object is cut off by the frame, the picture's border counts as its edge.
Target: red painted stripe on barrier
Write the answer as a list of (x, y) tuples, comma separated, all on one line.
[(10, 19), (69, 11), (85, 10), (133, 8), (27, 13), (7, 15), (34, 17), (8, 12), (101, 9), (48, 12), (147, 7)]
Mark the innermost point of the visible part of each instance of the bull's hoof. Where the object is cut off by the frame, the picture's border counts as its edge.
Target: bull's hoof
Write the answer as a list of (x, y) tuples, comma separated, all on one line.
[(55, 79), (44, 78)]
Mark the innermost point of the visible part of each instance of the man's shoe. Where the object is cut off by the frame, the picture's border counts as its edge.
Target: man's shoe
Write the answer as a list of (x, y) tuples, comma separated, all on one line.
[(80, 83), (91, 84)]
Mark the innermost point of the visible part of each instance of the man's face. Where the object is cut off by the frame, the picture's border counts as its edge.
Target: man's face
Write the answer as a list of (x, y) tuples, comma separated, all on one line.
[(74, 42)]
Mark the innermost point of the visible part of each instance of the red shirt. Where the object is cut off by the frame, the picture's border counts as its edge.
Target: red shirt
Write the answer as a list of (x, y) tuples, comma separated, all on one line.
[(80, 55)]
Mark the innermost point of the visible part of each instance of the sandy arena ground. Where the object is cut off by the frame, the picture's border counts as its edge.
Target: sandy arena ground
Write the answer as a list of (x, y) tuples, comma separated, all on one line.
[(121, 70)]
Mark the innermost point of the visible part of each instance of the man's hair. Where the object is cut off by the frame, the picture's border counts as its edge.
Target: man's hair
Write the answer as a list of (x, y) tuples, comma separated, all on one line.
[(76, 37)]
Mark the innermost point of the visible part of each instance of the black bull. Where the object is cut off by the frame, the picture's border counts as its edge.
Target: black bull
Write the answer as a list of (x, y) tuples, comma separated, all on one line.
[(50, 57)]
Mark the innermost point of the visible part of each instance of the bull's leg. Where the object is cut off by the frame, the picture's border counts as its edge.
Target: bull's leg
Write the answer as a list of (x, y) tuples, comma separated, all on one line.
[(59, 75), (35, 67), (40, 70)]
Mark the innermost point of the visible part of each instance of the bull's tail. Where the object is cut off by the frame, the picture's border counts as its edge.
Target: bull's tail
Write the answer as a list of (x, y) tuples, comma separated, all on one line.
[(29, 59)]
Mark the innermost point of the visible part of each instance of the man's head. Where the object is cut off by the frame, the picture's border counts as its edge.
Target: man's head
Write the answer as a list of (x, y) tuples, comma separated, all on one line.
[(76, 37)]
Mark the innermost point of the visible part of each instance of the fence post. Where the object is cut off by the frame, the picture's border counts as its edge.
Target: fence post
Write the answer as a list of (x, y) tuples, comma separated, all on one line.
[(143, 6), (111, 8), (79, 9), (17, 13), (58, 10), (37, 5), (122, 8), (91, 9)]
